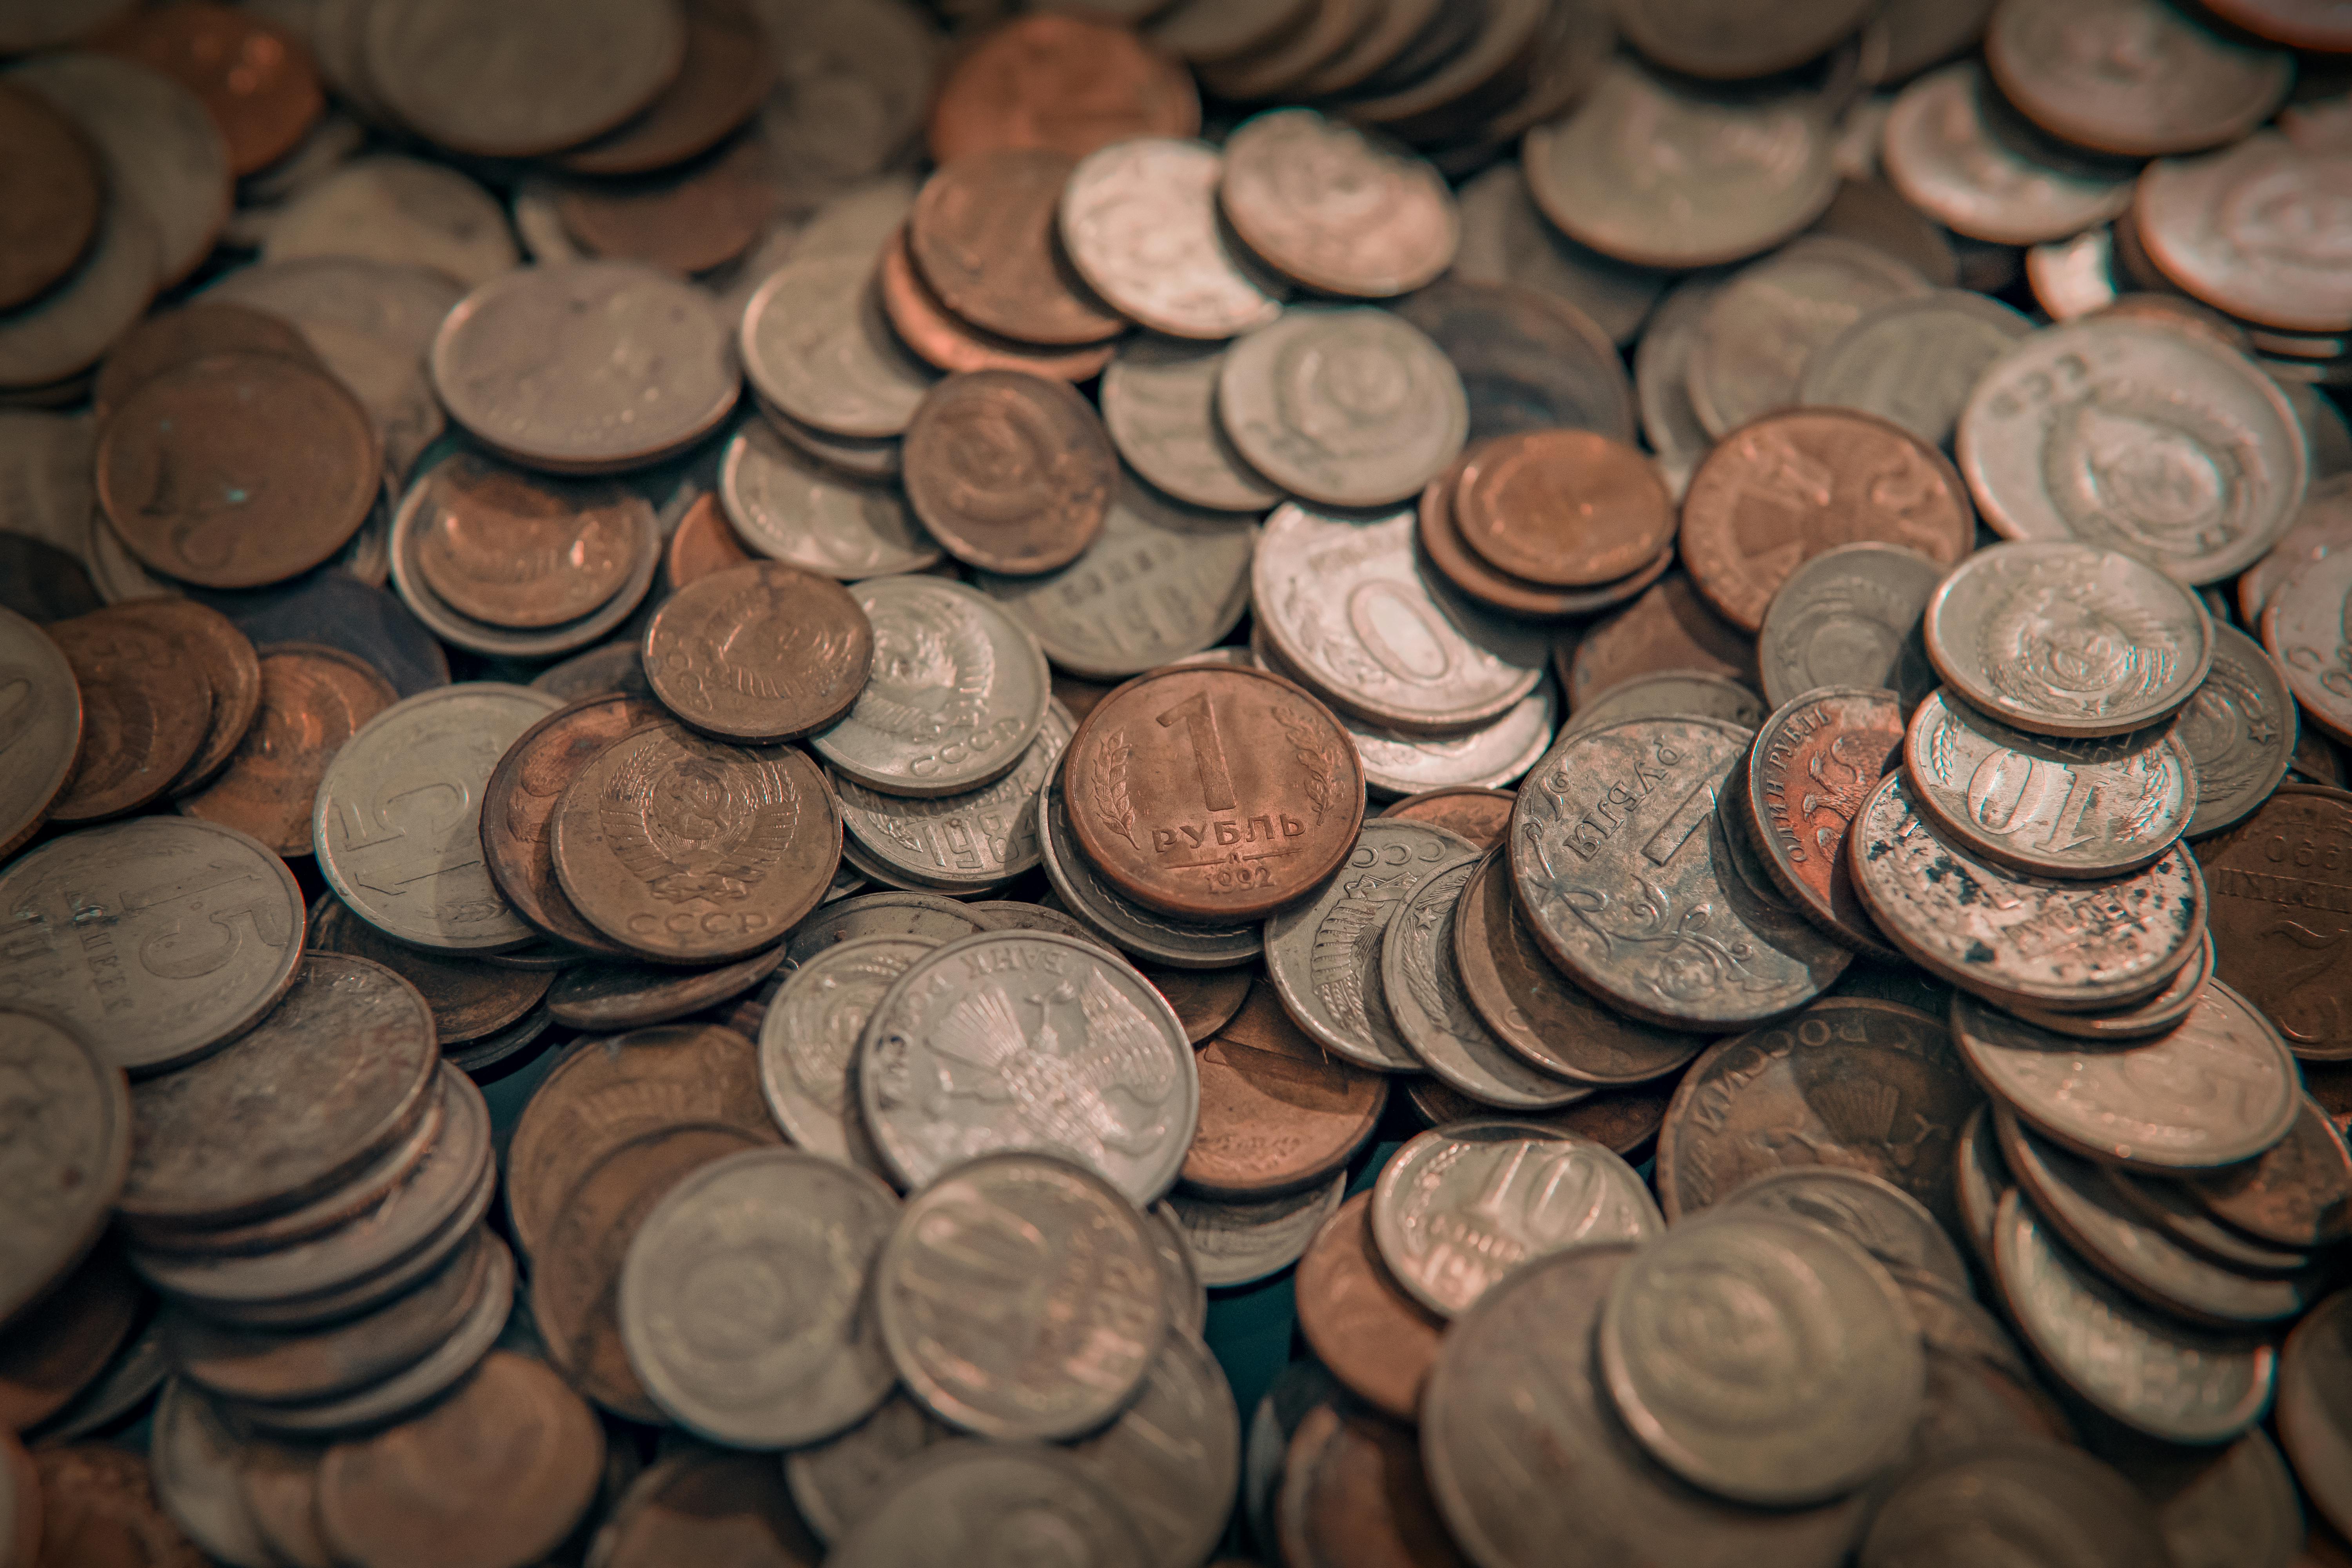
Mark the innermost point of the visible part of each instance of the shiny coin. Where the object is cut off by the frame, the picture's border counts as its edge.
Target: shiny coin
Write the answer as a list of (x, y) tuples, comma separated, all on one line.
[(2035, 443), (1528, 361), (519, 803), (1951, 153), (1127, 925), (1013, 473), (2068, 639), (1159, 402), (759, 653), (808, 1042), (151, 994), (69, 1161), (2190, 89), (1853, 617), (976, 840), (2016, 1492), (2315, 1421), (1346, 406), (745, 1224), (1139, 220), (1333, 208), (1277, 1114), (957, 692), (1891, 1224), (2297, 629), (1563, 508), (1012, 1370), (2297, 1193), (1814, 761), (815, 343), (968, 1498), (1763, 327), (1954, 334), (795, 511), (883, 914), (41, 700), (2238, 730), (1085, 1058), (145, 709), (1376, 1340), (1241, 1243)]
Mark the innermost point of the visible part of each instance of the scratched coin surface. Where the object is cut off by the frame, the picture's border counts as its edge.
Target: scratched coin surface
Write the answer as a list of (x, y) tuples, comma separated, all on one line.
[(1814, 761), (2068, 639), (759, 653), (523, 552), (956, 693), (2057, 808), (1277, 1115), (788, 505), (65, 1165), (1461, 1206), (397, 820), (793, 1230), (1138, 219), (808, 1042), (1130, 926), (688, 850), (41, 716), (2134, 435), (1852, 616), (1333, 207), (1159, 402), (1344, 406), (1213, 793), (2220, 1088), (2240, 730), (1622, 870), (1013, 472), (1019, 1298), (1028, 1040), (2184, 86)]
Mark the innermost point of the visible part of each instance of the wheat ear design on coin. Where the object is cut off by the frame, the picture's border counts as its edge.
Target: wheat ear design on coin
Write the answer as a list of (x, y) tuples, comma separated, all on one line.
[(1315, 759), (1111, 803)]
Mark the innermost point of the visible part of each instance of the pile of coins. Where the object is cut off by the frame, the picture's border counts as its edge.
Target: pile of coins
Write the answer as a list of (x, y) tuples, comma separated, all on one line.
[(766, 769)]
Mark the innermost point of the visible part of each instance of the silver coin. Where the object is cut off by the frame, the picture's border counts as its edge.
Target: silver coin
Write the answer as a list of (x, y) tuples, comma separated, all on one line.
[(40, 704), (193, 1459), (2075, 946), (1423, 981), (967, 842), (68, 329), (1240, 1244), (1347, 604), (1125, 924), (156, 940), (1173, 1457), (1854, 615), (817, 344), (1887, 1222), (1674, 694), (881, 915), (957, 692), (1913, 362), (1618, 857), (1335, 207), (2068, 639), (2092, 808), (1661, 381), (877, 461), (1188, 1298), (794, 511), (2134, 435), (1159, 402), (963, 1502), (808, 1041), (1941, 151), (2240, 729), (587, 367), (779, 1228), (1765, 324), (838, 1482), (2220, 1088), (2304, 629), (1019, 1298), (1139, 221), (1162, 580), (402, 306), (1488, 757), (1821, 1383), (1461, 1206), (1506, 240), (617, 668), (398, 210), (398, 818), (65, 1163), (1342, 405), (1324, 955), (1029, 1040)]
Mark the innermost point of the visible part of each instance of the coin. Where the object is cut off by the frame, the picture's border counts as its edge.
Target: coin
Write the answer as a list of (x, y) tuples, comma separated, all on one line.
[(63, 333), (695, 1495), (2189, 88), (1130, 926), (1506, 240), (2010, 1491), (1951, 331), (1351, 1491), (885, 914), (788, 506), (1950, 151), (2313, 1421), (56, 194), (1241, 1243), (1440, 538), (97, 1492), (726, 70), (496, 92), (837, 1483), (817, 344), (957, 694), (704, 542), (1065, 82), (2068, 639), (1276, 1115), (1173, 1456), (759, 653), (950, 1067), (967, 842), (1012, 472), (225, 661), (145, 711), (1375, 1339), (519, 803), (1347, 406), (1674, 694), (64, 1344), (1139, 221), (1763, 327), (2319, 531), (2297, 631), (1713, 41), (1668, 629), (1158, 403), (1335, 208), (949, 343), (68, 1163), (1478, 815), (521, 552), (1890, 1225), (1527, 362), (41, 705), (966, 1497), (194, 1459), (1815, 760), (191, 333), (2293, 1195), (808, 1042), (400, 211), (1850, 617), (1563, 508), (983, 236), (2187, 218)]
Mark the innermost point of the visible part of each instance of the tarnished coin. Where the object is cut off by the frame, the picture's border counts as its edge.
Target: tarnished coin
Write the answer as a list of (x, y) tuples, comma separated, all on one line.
[(2093, 808), (2073, 946), (1763, 327), (1852, 616), (1277, 1114), (979, 839), (1675, 694), (759, 653), (1089, 1062), (2016, 1492), (2185, 88), (966, 1498), (983, 235), (1791, 485), (2297, 1193), (1717, 180), (1952, 151), (2068, 639), (1563, 508), (1073, 83), (1480, 814), (1139, 220), (523, 552), (145, 710), (703, 542), (1528, 361), (2066, 437), (808, 1042), (738, 1229), (956, 694), (1669, 628), (1013, 473), (1346, 406), (1333, 207), (1047, 1348), (1358, 1322), (789, 507), (1952, 333), (1204, 1001), (469, 1000), (1772, 1416), (69, 1160), (2315, 1419), (1617, 850), (1814, 761), (226, 662), (2303, 627), (519, 804), (1890, 1224), (1351, 1491), (1241, 1243), (1246, 789), (2160, 1013), (1159, 402), (41, 714), (1127, 925)]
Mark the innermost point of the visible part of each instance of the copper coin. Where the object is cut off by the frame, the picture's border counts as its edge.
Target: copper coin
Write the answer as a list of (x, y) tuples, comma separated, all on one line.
[(2281, 915), (256, 81), (220, 654), (1625, 1123), (1729, 42), (708, 1505), (952, 343), (1813, 763), (684, 222), (145, 710), (607, 1091), (1013, 473), (1065, 82), (1205, 999), (1353, 1496), (238, 470), (2315, 1406), (165, 342), (312, 698), (1277, 1114), (703, 542), (1376, 1340), (2297, 1195), (985, 236), (497, 1474), (468, 999), (729, 67), (51, 192), (520, 802), (1527, 360), (606, 996), (1342, 211), (1777, 492), (691, 851), (575, 1274), (60, 1348), (98, 1510), (2187, 87), (1669, 627), (1213, 793), (1441, 543), (20, 1485), (525, 551), (760, 653), (1564, 508), (1481, 816)]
